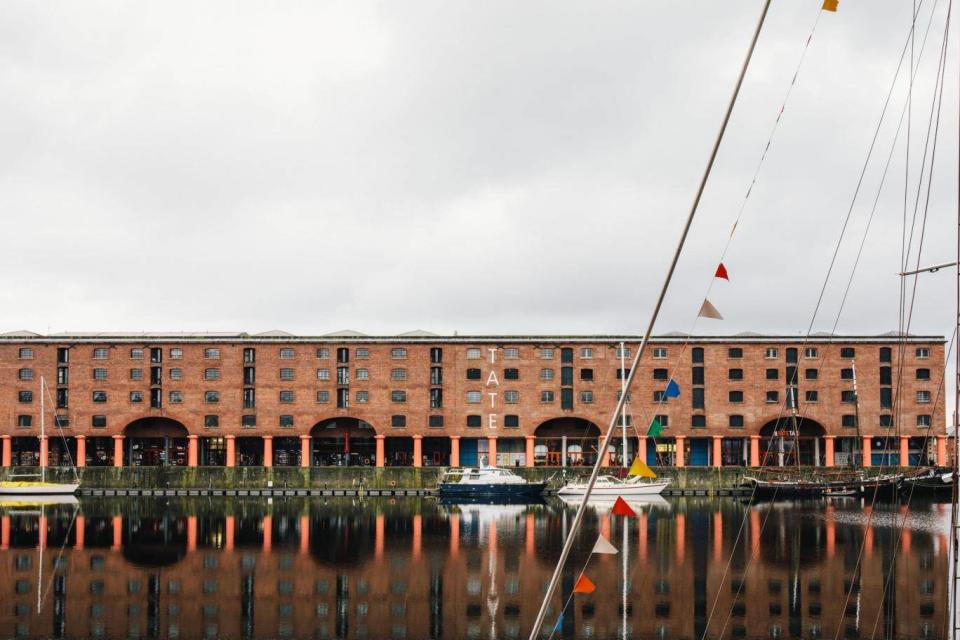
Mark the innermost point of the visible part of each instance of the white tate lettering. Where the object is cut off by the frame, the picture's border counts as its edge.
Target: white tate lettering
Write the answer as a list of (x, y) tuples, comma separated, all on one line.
[(493, 398), (492, 379), (493, 354), (492, 420)]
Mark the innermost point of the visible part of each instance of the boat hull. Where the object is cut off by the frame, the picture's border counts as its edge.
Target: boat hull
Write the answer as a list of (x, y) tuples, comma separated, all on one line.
[(881, 487), (37, 489), (621, 491), (457, 489)]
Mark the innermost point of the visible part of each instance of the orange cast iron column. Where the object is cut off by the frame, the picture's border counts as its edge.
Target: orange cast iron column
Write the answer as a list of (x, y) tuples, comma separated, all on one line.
[(6, 456), (531, 452), (904, 451), (828, 456), (381, 456), (492, 451), (867, 454), (118, 451), (192, 451), (679, 454), (717, 454), (268, 451), (305, 453), (81, 460), (942, 451), (418, 451), (754, 451), (231, 450), (454, 451), (44, 451)]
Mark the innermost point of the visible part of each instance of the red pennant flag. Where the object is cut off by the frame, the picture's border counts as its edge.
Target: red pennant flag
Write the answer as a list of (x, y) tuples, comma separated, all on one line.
[(722, 273), (584, 585), (621, 508)]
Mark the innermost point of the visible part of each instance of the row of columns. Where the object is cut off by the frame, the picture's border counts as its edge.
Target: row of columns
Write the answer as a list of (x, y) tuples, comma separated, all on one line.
[(305, 450)]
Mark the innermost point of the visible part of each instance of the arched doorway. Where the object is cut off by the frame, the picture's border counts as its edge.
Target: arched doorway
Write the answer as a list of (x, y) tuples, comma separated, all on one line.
[(791, 441), (152, 442), (566, 441), (338, 442)]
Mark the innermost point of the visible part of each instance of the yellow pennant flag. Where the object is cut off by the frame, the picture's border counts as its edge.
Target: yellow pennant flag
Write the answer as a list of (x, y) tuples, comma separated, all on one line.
[(830, 5), (640, 468)]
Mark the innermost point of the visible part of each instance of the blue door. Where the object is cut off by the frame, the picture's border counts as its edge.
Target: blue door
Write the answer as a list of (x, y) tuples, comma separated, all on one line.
[(468, 452), (699, 448)]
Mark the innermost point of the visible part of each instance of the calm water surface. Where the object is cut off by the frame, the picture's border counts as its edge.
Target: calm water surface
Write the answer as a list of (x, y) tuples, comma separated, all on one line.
[(415, 568)]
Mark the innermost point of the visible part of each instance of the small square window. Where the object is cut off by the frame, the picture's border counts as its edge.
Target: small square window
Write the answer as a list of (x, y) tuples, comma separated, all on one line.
[(659, 353), (811, 395), (323, 353), (546, 396), (176, 374), (923, 374), (734, 352), (736, 396), (586, 397), (922, 353), (363, 397), (287, 353), (25, 396), (773, 374), (136, 374), (810, 352), (511, 421), (473, 353), (211, 396), (773, 397), (848, 421), (661, 374), (736, 422), (735, 374), (810, 374), (176, 353), (847, 352), (286, 421), (362, 353), (211, 354), (286, 396), (211, 422), (398, 421), (363, 374), (286, 374), (101, 353), (698, 421), (24, 421), (248, 421), (545, 374), (923, 421), (99, 396), (546, 353), (176, 397), (98, 422), (136, 396), (398, 374), (398, 396), (323, 396), (886, 420), (511, 374), (211, 374), (771, 352), (99, 374), (398, 353), (923, 397), (511, 397), (473, 421), (586, 352), (511, 353), (25, 353)]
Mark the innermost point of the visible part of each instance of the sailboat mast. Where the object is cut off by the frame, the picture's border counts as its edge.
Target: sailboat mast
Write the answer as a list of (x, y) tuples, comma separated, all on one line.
[(955, 469), (43, 434), (623, 413), (856, 415)]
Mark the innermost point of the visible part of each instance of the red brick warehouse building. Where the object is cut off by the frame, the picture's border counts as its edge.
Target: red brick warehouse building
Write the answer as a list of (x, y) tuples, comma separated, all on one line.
[(421, 399)]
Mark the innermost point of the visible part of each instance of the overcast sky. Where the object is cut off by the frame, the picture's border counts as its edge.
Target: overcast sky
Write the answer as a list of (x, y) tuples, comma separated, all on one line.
[(480, 167)]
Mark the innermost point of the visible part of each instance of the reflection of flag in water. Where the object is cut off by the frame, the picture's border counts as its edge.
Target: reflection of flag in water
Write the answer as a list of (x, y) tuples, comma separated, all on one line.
[(584, 585), (640, 468), (557, 627), (603, 546), (621, 508), (722, 273)]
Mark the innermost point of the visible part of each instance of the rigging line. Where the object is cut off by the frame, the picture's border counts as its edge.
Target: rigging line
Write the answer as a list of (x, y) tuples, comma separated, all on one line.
[(566, 604), (568, 544), (56, 422)]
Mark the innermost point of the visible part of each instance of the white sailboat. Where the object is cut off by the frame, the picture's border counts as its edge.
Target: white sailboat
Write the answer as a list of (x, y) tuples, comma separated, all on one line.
[(15, 487)]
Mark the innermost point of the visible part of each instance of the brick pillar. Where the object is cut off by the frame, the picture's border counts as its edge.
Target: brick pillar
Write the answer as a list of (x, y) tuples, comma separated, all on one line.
[(81, 460), (828, 454), (231, 450), (492, 451), (80, 530), (44, 451), (193, 452), (681, 446), (454, 451), (754, 451), (418, 451), (6, 456), (904, 451), (381, 453), (118, 451), (531, 453), (941, 451), (305, 451), (268, 451), (867, 454), (717, 451)]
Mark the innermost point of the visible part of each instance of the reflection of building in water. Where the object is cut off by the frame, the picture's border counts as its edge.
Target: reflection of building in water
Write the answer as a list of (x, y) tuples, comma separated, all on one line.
[(473, 572)]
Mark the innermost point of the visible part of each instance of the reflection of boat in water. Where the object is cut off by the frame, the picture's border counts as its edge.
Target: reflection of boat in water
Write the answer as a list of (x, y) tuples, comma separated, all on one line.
[(35, 500), (490, 500), (605, 503), (608, 486), (488, 482)]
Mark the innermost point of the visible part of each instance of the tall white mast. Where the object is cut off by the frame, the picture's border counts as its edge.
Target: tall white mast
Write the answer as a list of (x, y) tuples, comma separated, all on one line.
[(623, 413), (43, 468)]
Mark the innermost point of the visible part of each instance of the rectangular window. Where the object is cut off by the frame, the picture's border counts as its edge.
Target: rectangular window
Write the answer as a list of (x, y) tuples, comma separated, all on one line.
[(664, 420), (511, 353), (98, 422), (211, 422), (398, 353), (286, 396), (436, 398), (176, 374), (63, 355), (545, 374), (848, 395), (696, 355), (847, 352), (546, 396), (736, 422), (659, 353), (211, 353), (810, 352), (249, 375), (436, 355), (24, 421), (211, 396), (811, 396), (398, 396), (886, 354), (661, 374), (773, 397), (848, 421), (473, 421), (249, 355), (62, 398), (398, 422), (511, 374), (136, 374), (924, 421), (566, 355), (566, 399), (287, 353), (735, 396), (923, 374), (735, 374), (435, 422), (546, 353), (511, 397), (343, 355), (791, 375), (566, 375), (323, 396), (886, 420), (886, 398), (25, 353), (698, 421), (659, 395), (586, 352), (734, 352), (810, 374), (286, 421), (698, 375), (473, 353), (846, 374), (323, 353), (586, 397), (211, 374), (473, 374), (771, 352), (698, 398), (363, 397), (27, 374), (363, 374), (323, 374), (156, 398), (343, 398), (923, 397), (398, 374), (792, 398), (176, 353), (886, 375), (101, 353), (511, 421), (286, 374), (773, 374), (176, 397), (99, 396), (136, 396), (343, 375), (25, 396), (248, 421), (473, 397), (249, 398), (586, 374), (155, 375), (623, 374), (922, 353), (63, 375), (362, 353)]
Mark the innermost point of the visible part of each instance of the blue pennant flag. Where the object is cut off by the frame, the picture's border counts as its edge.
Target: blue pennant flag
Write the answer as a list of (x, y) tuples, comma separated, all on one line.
[(673, 389), (557, 628)]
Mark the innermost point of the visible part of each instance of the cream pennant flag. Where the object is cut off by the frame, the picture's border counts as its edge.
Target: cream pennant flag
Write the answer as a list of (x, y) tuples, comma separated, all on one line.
[(707, 310), (603, 546)]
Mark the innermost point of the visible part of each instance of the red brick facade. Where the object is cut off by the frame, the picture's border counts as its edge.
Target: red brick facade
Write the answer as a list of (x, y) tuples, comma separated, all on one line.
[(502, 402)]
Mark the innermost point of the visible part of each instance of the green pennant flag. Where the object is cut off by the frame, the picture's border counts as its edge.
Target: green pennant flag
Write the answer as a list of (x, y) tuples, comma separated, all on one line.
[(655, 428)]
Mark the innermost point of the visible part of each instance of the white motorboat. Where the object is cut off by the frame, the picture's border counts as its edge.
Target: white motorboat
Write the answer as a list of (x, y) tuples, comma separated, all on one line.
[(488, 482), (610, 487)]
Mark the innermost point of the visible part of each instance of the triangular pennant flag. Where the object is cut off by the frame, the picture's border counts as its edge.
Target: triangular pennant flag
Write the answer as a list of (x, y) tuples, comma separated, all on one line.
[(584, 585), (640, 468), (830, 5), (603, 546), (557, 627), (655, 429), (621, 508), (673, 389), (722, 273), (707, 310)]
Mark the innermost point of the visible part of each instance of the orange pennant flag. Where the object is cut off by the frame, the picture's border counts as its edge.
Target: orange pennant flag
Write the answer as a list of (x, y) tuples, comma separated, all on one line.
[(621, 508), (584, 585), (830, 5), (722, 273)]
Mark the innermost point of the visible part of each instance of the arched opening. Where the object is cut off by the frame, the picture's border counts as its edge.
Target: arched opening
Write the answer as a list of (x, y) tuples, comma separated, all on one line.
[(566, 441), (153, 442), (340, 442), (791, 441)]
